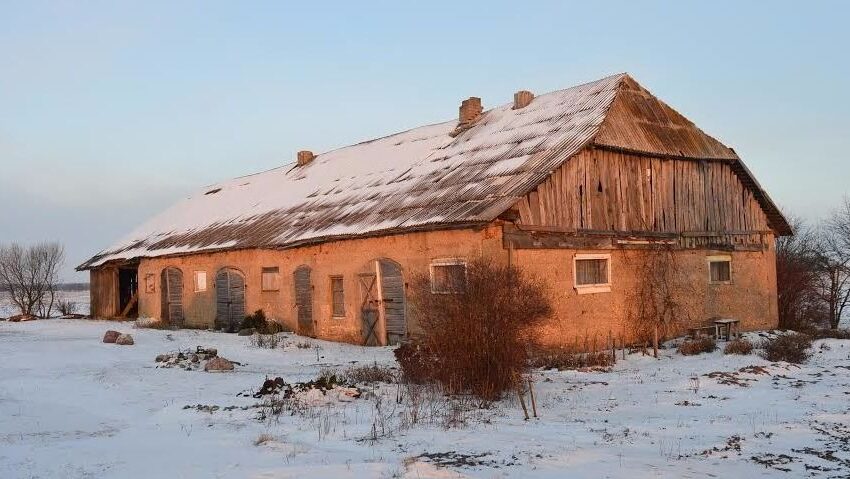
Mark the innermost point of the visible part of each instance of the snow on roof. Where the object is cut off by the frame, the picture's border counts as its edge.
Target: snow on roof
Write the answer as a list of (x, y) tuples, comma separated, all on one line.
[(420, 178)]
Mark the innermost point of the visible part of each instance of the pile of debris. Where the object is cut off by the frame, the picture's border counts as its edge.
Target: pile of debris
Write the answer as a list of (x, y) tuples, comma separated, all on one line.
[(322, 390), (191, 360)]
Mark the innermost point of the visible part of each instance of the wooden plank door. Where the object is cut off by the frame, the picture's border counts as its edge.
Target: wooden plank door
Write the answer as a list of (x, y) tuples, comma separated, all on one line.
[(369, 308), (304, 301), (172, 296), (393, 301), (230, 299)]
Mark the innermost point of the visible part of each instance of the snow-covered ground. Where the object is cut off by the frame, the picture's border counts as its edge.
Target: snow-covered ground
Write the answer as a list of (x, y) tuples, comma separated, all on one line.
[(71, 406)]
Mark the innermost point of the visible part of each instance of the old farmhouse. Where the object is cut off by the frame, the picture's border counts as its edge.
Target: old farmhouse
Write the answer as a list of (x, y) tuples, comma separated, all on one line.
[(573, 185)]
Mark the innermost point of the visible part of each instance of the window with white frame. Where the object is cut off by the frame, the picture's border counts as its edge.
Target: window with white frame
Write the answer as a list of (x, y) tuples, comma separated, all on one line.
[(271, 279), (200, 281), (720, 269), (592, 273), (448, 276)]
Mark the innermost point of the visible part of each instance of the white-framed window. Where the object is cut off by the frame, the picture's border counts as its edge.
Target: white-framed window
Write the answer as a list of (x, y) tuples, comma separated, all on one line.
[(592, 273), (271, 279), (719, 269), (337, 297), (448, 276), (200, 281)]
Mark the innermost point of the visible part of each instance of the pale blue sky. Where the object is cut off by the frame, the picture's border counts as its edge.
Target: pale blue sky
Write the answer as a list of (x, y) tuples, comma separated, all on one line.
[(109, 111)]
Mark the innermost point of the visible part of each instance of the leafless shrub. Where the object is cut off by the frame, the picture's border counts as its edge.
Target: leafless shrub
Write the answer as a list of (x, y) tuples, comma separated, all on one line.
[(789, 347), (563, 359), (369, 374), (828, 333), (656, 305), (474, 339), (303, 345), (66, 307), (263, 438), (797, 278), (738, 346), (261, 324), (267, 341), (704, 344), (30, 276)]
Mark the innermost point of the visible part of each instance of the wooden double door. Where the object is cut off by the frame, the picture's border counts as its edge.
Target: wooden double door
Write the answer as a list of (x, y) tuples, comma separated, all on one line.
[(383, 308)]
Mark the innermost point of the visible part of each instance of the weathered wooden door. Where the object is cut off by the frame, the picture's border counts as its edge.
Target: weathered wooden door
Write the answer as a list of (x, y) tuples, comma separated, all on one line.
[(230, 299), (392, 300), (171, 288), (369, 304), (304, 301)]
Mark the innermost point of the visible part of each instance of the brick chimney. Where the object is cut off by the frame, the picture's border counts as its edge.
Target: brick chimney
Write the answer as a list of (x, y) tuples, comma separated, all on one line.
[(468, 113), (522, 98), (305, 157)]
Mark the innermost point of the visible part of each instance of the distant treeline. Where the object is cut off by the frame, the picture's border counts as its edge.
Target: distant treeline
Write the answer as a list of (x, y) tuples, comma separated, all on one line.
[(61, 287)]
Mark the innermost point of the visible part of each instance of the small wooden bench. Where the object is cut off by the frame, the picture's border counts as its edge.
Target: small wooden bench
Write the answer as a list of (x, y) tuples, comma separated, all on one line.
[(726, 328)]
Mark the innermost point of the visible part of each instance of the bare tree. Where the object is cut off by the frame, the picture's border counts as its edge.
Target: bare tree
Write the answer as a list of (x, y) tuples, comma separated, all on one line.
[(834, 264), (798, 278), (30, 276)]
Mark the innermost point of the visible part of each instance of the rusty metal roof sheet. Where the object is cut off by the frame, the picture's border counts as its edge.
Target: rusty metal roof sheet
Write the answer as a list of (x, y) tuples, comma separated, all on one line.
[(418, 179)]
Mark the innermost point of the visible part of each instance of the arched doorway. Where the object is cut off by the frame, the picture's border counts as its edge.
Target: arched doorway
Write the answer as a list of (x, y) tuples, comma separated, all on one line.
[(230, 299), (383, 307), (304, 301), (171, 281)]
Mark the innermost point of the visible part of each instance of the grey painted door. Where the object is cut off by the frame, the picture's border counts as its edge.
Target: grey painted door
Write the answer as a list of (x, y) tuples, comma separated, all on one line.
[(392, 300), (230, 299), (172, 296), (304, 301), (369, 309)]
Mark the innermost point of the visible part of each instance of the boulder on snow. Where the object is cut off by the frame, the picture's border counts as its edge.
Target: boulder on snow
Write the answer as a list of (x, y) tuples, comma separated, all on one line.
[(247, 332), (124, 340), (110, 336), (218, 364), (161, 358)]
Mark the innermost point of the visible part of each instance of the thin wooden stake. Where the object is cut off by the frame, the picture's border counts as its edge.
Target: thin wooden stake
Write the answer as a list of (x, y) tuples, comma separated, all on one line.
[(533, 402), (522, 402), (655, 341)]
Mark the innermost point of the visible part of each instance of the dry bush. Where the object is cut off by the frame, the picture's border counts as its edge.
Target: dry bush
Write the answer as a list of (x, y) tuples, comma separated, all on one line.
[(563, 359), (738, 346), (790, 347), (370, 374), (474, 339), (267, 341), (658, 300), (828, 333), (690, 347), (261, 324), (303, 345), (30, 276), (263, 438), (66, 307)]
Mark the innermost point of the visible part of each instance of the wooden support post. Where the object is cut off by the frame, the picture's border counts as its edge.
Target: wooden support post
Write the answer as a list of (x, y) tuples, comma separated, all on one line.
[(533, 401), (655, 341), (612, 345), (522, 401)]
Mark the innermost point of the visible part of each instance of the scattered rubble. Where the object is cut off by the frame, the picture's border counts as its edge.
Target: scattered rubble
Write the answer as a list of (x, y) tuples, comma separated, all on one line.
[(111, 336), (188, 360), (218, 364)]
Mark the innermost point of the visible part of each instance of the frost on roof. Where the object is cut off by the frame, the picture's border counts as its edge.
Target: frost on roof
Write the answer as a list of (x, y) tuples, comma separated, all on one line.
[(417, 178)]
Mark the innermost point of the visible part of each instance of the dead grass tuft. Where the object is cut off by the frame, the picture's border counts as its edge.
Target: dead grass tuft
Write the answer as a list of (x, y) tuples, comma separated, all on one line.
[(738, 346), (789, 347), (691, 347)]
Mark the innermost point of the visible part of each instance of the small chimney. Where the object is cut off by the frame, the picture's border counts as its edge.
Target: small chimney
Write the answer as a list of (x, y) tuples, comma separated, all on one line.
[(305, 157), (470, 110), (468, 113), (522, 98)]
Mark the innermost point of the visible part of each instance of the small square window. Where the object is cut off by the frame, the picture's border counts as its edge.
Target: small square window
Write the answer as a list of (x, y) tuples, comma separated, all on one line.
[(200, 281), (720, 269), (592, 273), (448, 276), (271, 279), (337, 296)]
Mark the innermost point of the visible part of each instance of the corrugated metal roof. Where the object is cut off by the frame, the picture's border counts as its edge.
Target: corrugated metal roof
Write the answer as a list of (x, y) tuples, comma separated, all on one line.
[(421, 178)]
